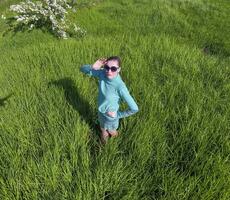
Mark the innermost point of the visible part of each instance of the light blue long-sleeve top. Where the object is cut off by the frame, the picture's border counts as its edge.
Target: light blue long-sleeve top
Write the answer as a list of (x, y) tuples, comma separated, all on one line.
[(111, 92)]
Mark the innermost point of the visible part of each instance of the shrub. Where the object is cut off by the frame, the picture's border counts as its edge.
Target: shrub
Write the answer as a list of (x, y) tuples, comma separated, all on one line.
[(48, 13)]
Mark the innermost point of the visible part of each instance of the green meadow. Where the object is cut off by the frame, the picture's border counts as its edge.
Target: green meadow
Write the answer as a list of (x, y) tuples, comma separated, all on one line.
[(176, 64)]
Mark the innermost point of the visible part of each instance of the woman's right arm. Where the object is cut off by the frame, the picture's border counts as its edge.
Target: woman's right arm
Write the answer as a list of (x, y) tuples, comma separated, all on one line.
[(88, 70), (95, 69)]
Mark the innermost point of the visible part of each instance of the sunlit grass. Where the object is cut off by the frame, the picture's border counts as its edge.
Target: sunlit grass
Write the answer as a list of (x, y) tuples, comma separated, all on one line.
[(177, 69)]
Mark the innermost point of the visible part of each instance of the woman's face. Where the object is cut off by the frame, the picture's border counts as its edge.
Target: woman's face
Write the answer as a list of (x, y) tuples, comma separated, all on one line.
[(109, 73)]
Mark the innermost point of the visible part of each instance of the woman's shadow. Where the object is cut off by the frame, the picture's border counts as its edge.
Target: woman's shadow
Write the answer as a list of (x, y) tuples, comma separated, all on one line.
[(3, 100), (74, 98)]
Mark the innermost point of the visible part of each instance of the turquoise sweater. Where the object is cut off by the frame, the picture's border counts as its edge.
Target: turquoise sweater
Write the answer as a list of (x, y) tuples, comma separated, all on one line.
[(111, 92)]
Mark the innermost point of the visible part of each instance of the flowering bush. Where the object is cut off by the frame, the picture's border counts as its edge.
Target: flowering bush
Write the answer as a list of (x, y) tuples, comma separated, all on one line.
[(48, 13), (3, 17)]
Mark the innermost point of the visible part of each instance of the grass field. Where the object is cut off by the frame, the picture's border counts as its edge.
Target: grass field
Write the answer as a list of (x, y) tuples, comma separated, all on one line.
[(176, 64)]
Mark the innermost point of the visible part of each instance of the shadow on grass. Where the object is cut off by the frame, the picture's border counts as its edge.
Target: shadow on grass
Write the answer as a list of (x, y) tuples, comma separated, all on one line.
[(74, 98), (3, 100), (82, 106), (216, 49)]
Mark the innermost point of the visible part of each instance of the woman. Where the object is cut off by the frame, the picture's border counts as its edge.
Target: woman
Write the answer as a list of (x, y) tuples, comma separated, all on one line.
[(111, 90)]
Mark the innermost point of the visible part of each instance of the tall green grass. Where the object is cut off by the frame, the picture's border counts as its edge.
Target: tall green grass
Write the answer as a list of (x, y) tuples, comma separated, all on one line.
[(176, 65)]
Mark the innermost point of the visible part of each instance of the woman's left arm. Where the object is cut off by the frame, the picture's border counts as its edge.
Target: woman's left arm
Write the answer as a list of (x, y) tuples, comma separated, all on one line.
[(133, 108)]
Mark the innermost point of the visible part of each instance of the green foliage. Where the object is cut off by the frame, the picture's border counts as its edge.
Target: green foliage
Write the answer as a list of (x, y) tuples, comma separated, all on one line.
[(48, 15), (176, 67)]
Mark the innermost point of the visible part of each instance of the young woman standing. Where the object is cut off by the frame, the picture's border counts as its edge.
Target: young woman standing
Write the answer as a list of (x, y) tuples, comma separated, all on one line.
[(112, 90)]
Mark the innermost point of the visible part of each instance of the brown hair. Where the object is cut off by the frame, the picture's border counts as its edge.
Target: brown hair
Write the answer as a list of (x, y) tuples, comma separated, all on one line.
[(115, 58)]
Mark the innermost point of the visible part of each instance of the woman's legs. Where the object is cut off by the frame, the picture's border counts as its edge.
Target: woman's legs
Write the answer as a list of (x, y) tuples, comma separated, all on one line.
[(104, 135), (113, 133)]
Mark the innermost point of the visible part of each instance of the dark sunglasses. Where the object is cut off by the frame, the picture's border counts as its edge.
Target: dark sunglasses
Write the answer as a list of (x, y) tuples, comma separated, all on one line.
[(113, 68)]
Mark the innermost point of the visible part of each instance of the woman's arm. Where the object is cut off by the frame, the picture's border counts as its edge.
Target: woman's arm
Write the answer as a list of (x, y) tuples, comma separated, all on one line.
[(88, 70), (95, 69), (133, 108)]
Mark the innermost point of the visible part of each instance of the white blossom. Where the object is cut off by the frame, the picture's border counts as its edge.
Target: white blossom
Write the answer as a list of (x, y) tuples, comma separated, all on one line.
[(49, 12), (3, 17), (79, 29)]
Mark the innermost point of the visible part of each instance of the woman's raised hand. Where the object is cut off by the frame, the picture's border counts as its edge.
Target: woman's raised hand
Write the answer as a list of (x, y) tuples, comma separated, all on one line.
[(98, 64)]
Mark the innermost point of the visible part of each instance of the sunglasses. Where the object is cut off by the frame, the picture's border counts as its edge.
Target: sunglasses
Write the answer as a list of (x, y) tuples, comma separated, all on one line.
[(113, 68)]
